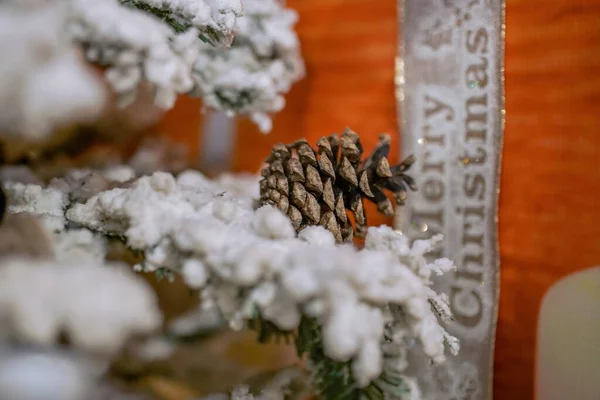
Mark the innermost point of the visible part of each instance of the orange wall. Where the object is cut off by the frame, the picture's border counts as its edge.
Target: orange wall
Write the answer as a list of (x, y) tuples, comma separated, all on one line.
[(182, 124), (549, 213)]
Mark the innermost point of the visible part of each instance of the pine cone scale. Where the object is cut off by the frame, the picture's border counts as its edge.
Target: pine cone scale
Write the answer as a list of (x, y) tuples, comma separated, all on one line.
[(348, 172), (350, 150), (383, 168), (295, 216), (272, 182), (312, 209), (277, 166), (274, 195), (324, 147), (294, 170), (329, 222), (307, 155), (364, 184), (284, 204), (340, 209), (314, 182), (282, 185), (328, 195), (298, 195), (326, 166)]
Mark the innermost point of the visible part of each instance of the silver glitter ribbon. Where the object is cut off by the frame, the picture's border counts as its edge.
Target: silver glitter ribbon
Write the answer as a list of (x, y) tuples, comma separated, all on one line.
[(450, 94)]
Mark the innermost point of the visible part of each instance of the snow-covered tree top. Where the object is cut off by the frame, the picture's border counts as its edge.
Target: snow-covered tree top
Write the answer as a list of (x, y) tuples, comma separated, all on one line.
[(170, 46)]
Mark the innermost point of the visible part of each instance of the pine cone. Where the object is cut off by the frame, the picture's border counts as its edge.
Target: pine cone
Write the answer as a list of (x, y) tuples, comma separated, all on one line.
[(317, 187)]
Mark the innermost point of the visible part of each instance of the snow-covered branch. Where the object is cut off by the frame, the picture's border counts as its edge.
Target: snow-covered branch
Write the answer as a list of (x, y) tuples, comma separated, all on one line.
[(97, 306), (263, 63), (250, 263), (135, 47)]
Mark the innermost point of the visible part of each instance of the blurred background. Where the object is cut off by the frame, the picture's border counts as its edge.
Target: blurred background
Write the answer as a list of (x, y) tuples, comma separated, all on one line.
[(549, 218)]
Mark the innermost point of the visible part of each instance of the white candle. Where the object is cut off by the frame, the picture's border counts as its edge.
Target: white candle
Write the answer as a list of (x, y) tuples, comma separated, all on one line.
[(568, 350)]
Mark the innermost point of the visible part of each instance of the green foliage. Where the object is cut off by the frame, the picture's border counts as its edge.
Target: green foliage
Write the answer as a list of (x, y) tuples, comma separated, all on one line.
[(242, 99), (268, 332), (175, 21), (333, 380), (164, 273), (330, 380)]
